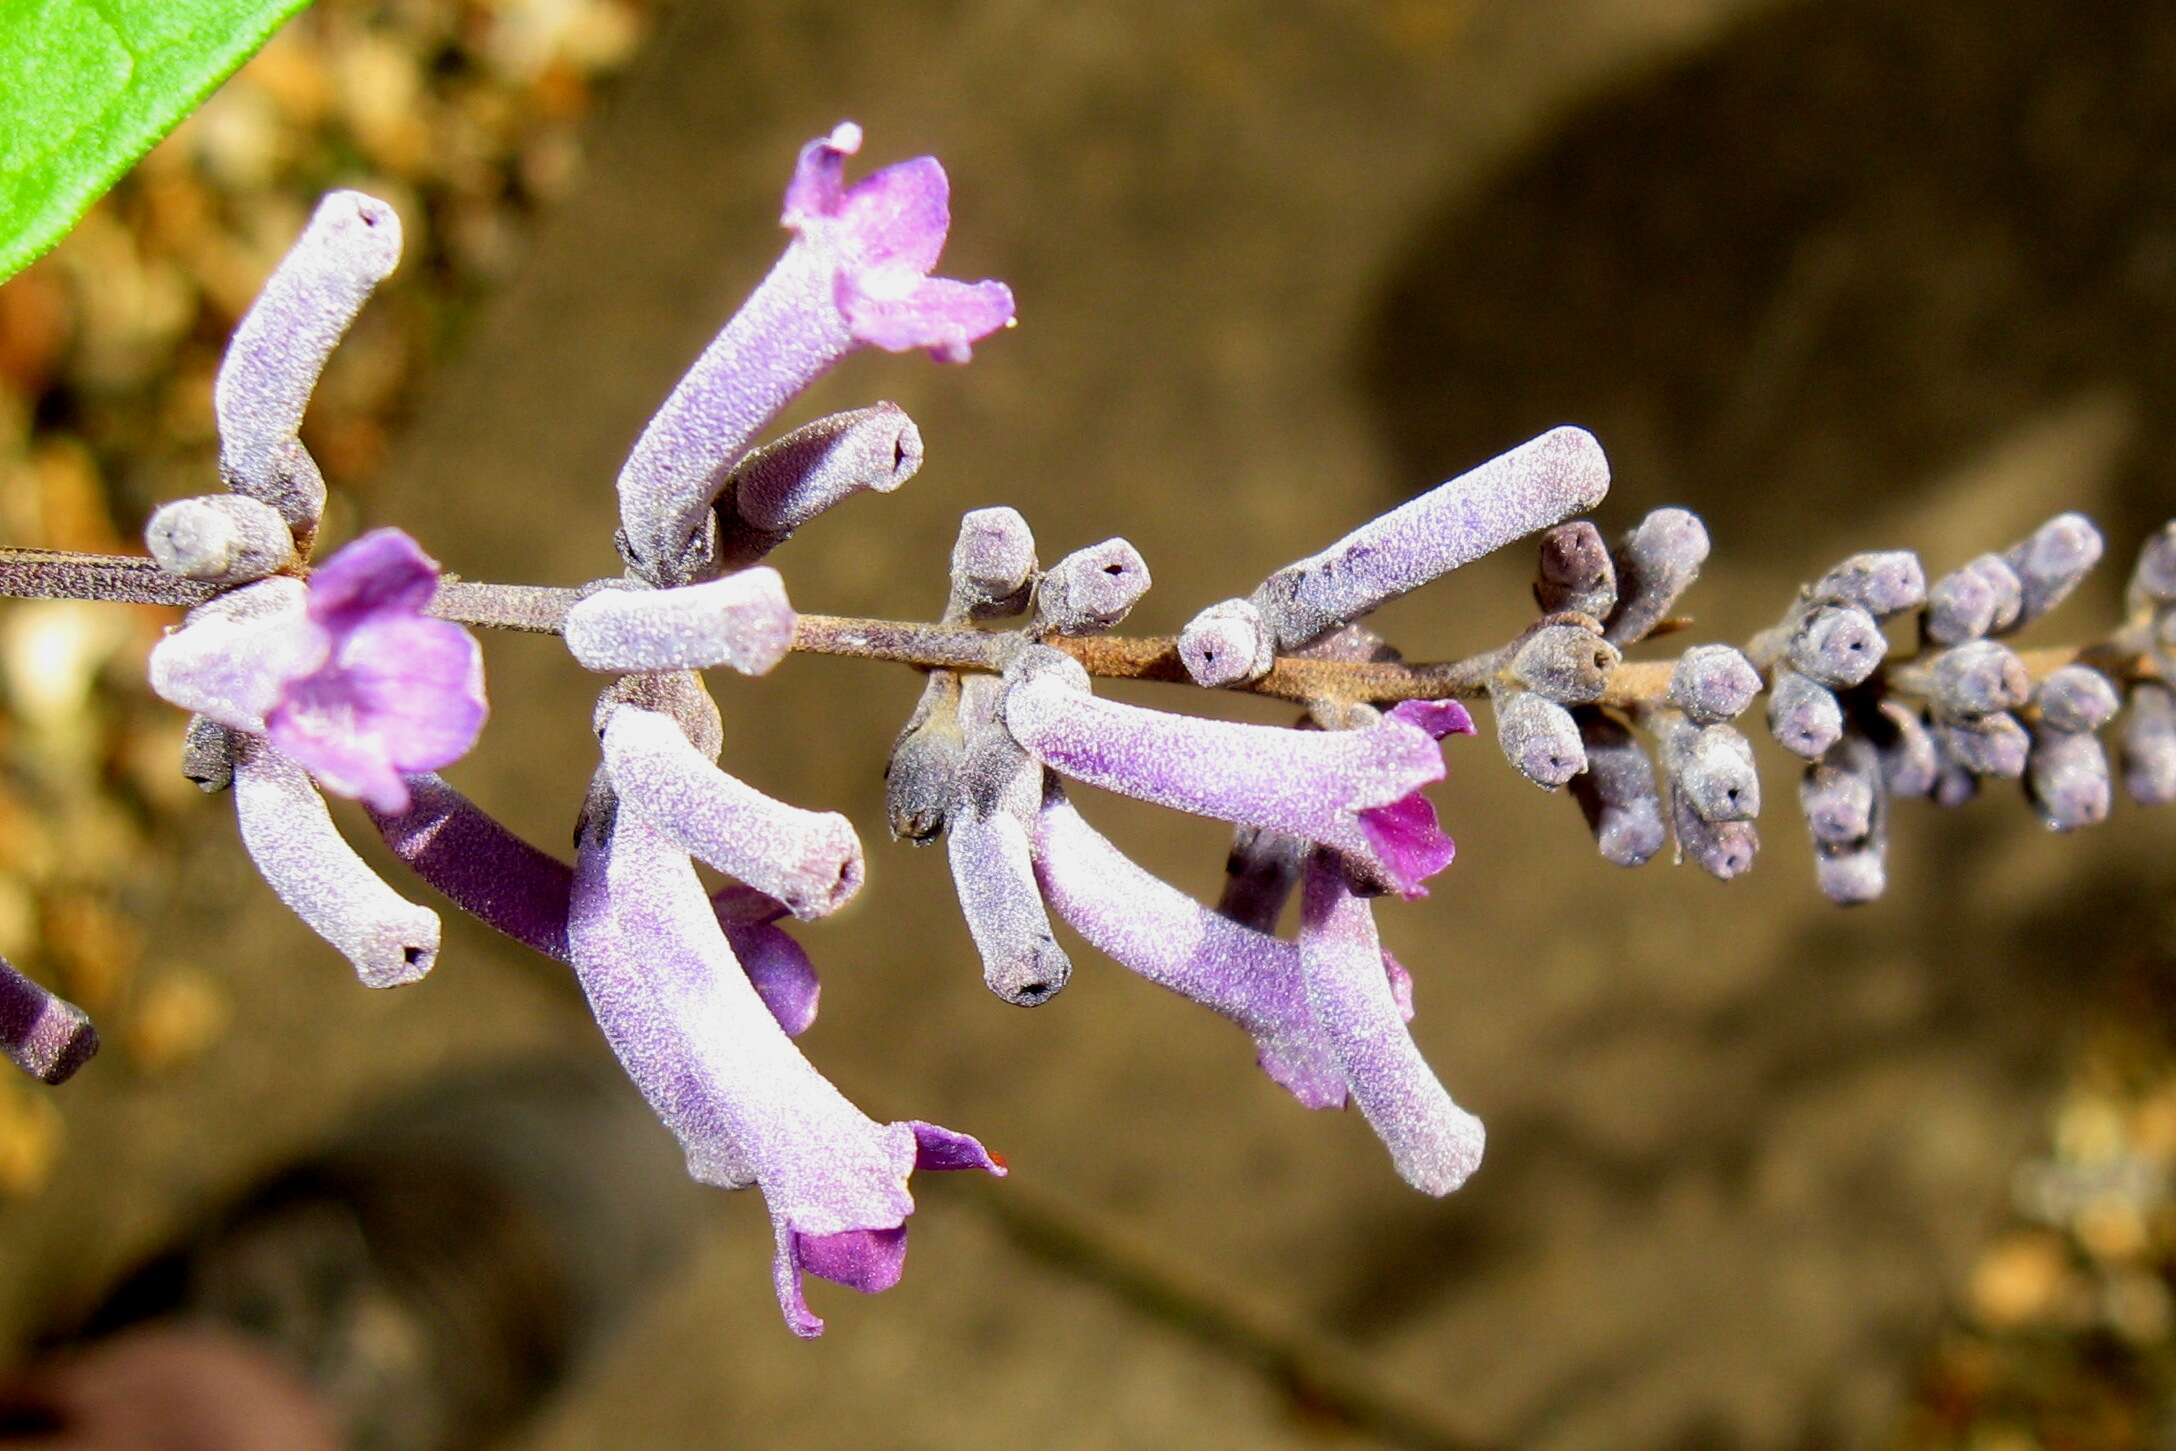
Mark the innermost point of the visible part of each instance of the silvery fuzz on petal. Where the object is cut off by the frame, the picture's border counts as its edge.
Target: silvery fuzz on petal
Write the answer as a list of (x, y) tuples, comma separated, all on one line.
[(741, 620), (1803, 716), (2149, 745), (1090, 590), (1712, 684), (993, 565), (1656, 563), (1882, 583), (1983, 597), (280, 347), (1539, 483), (1568, 664), (1616, 792), (1228, 643), (2052, 561), (2075, 698), (2067, 777), (220, 538), (1576, 572), (1836, 645), (1539, 738)]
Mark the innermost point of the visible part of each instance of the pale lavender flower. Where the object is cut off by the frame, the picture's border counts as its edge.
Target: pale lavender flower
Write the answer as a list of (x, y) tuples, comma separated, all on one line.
[(1435, 1144), (1356, 791), (696, 1037), (348, 677), (857, 273)]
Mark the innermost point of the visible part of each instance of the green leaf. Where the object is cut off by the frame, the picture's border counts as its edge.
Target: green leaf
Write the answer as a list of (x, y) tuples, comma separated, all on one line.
[(88, 86)]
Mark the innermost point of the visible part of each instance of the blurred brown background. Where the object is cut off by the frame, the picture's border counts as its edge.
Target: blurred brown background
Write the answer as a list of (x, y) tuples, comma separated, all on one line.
[(1761, 1173)]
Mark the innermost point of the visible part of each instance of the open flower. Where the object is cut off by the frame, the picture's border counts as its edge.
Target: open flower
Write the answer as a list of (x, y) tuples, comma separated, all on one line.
[(348, 676), (1357, 792)]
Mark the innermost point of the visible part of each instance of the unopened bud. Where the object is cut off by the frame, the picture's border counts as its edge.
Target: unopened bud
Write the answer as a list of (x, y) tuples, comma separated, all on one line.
[(2067, 778), (1656, 563), (1838, 795), (1259, 875), (1977, 678), (1882, 583), (2075, 698), (1803, 716), (1090, 590), (1851, 875), (922, 775), (993, 564), (1713, 683), (1980, 598), (1713, 767), (1539, 738), (1227, 644), (2153, 581), (1990, 745), (1616, 792), (207, 755), (221, 538), (1910, 761), (1568, 664), (2149, 745), (1576, 572), (1837, 645), (2050, 564), (1722, 849)]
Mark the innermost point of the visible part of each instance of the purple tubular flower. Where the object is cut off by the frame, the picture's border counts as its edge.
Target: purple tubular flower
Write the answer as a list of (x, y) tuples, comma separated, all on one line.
[(1151, 927), (992, 857), (1537, 484), (809, 860), (1227, 643), (1090, 590), (488, 871), (856, 273), (1435, 1144), (290, 836), (776, 964), (1355, 791), (783, 485), (280, 347), (44, 1035), (695, 1036), (741, 620), (349, 677)]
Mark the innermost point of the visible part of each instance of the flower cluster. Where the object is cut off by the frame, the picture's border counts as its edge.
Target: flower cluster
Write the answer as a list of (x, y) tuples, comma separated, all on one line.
[(354, 678)]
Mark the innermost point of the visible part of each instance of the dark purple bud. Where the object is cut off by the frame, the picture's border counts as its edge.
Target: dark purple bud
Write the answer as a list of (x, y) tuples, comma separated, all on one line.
[(221, 539), (272, 364), (45, 1036), (2149, 745), (488, 871), (1656, 563), (1882, 583), (993, 565), (1803, 716), (1576, 572), (2067, 778), (2076, 698), (1722, 849), (1617, 792), (1090, 590), (1837, 645), (1259, 875), (1988, 745), (1537, 484), (1979, 598), (1568, 664), (207, 755), (1539, 738), (1910, 761), (922, 776), (782, 486), (2153, 582), (1227, 644), (1712, 766), (1838, 795), (1712, 684), (2050, 564), (1977, 678)]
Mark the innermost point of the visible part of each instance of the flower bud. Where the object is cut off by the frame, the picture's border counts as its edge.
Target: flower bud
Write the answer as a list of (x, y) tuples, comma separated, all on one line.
[(740, 620), (2067, 777), (993, 565), (1977, 678), (1712, 766), (207, 755), (988, 839), (2153, 581), (1837, 645), (1989, 745), (1980, 598), (1576, 572), (1722, 849), (1910, 761), (2075, 698), (1568, 664), (922, 776), (1617, 792), (221, 538), (1656, 563), (1838, 795), (1803, 716), (1712, 684), (1851, 875), (1227, 644), (2050, 564), (1539, 738), (1090, 590), (783, 485), (2149, 745), (1882, 583), (44, 1035)]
